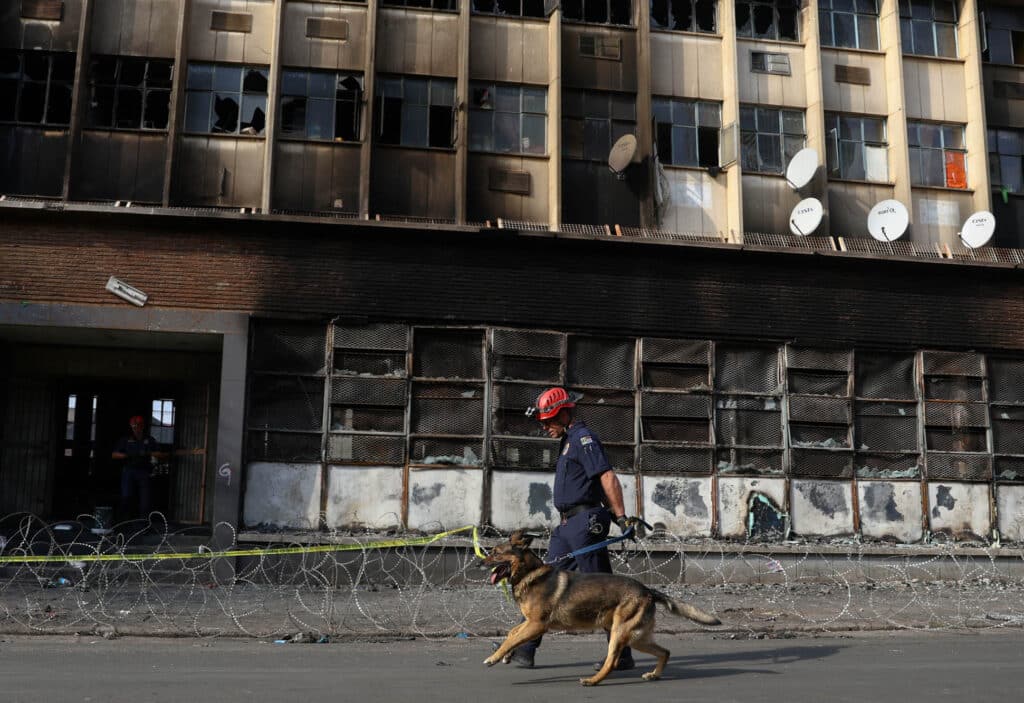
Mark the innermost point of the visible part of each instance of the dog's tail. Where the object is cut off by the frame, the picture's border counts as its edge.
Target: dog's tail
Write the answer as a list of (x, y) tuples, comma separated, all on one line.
[(685, 610)]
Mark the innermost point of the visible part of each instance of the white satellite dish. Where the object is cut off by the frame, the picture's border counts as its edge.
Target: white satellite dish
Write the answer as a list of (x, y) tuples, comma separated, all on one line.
[(978, 229), (622, 154), (801, 168), (888, 220), (806, 217)]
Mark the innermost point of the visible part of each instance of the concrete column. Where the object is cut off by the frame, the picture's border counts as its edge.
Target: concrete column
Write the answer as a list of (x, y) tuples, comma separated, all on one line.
[(462, 114), (177, 106), (731, 116), (555, 118), (273, 90), (369, 75), (896, 122), (644, 136), (814, 117), (227, 494), (969, 39), (77, 102)]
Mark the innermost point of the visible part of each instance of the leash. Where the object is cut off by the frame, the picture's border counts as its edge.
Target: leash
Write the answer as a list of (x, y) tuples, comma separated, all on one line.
[(628, 534)]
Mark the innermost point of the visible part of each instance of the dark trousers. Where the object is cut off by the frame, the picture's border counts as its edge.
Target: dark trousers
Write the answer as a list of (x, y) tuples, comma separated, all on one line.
[(135, 483), (582, 530)]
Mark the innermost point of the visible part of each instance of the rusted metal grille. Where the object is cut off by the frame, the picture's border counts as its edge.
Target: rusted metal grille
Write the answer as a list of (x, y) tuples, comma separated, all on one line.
[(527, 356), (819, 382), (448, 353), (621, 457), (676, 377), (524, 454), (885, 427), (509, 402), (375, 450), (1009, 469), (600, 361), (820, 463), (609, 413), (675, 363), (952, 363), (1008, 430), (888, 466), (283, 446), (818, 359), (749, 462), (447, 408), (747, 370), (959, 467), (371, 350), (818, 409), (956, 415), (819, 436), (289, 347), (1006, 380), (675, 405), (660, 458), (953, 388), (286, 402), (379, 337), (676, 351), (446, 451), (361, 418), (885, 376), (748, 422), (368, 391)]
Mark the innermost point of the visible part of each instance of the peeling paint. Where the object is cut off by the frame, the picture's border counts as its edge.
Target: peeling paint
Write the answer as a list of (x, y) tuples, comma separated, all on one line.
[(880, 502), (423, 495), (764, 519), (539, 500), (943, 499), (827, 498)]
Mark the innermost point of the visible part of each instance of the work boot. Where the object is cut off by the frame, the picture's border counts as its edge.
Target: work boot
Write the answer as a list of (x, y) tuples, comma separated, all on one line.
[(522, 657), (625, 663)]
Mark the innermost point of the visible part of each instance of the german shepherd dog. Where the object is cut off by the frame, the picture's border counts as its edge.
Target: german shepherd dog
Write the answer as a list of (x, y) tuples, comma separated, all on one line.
[(551, 598)]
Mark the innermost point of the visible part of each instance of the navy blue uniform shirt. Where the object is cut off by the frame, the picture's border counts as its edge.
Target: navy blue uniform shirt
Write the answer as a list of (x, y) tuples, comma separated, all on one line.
[(581, 461), (135, 449)]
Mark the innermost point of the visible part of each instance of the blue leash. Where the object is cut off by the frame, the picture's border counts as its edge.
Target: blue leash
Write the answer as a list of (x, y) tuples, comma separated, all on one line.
[(601, 545)]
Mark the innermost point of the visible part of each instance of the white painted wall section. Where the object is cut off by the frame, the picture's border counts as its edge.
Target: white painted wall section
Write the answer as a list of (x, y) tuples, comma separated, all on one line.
[(282, 495), (681, 506), (890, 510), (442, 499), (364, 497), (822, 508)]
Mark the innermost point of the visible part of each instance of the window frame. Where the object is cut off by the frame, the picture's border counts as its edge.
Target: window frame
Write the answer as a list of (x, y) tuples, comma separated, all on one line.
[(835, 169), (774, 5), (908, 21), (827, 12), (379, 105), (996, 156), (754, 111), (144, 88), (693, 26), (339, 76), (49, 85), (914, 147), (493, 112), (696, 126), (568, 6), (418, 5), (615, 125), (497, 11), (213, 91)]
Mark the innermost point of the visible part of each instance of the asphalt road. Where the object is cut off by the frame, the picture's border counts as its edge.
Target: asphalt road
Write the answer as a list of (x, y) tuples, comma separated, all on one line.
[(866, 668)]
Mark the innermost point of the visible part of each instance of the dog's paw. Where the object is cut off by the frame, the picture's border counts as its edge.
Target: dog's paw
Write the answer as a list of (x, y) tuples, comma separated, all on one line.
[(588, 682), (507, 659), (650, 676), (489, 662)]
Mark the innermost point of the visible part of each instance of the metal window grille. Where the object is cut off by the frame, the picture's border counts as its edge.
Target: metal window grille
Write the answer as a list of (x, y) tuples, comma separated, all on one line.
[(447, 409), (675, 364), (885, 376), (952, 363), (660, 458), (286, 403), (959, 467), (953, 388), (283, 446), (1008, 430), (509, 402), (529, 454), (527, 356), (747, 370), (600, 361), (749, 462), (748, 422), (821, 463), (609, 413), (1009, 469), (289, 347), (443, 353), (430, 451), (888, 466), (886, 427), (1006, 380), (368, 449)]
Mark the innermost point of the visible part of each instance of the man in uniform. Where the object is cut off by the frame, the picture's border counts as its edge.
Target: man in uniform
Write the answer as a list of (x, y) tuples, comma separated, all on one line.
[(587, 495), (137, 450)]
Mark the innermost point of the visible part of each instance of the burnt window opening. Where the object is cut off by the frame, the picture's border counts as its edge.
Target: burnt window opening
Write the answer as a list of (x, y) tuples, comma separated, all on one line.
[(509, 8), (611, 12), (687, 131), (938, 155), (417, 112), (1006, 158), (929, 27), (769, 138), (684, 15), (321, 105), (848, 23), (509, 119), (35, 87), (226, 99), (768, 19), (857, 147), (129, 93), (424, 4), (593, 121)]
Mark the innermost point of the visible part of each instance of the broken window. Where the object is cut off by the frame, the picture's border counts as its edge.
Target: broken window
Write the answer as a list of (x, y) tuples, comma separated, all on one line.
[(938, 156), (129, 93), (849, 23), (593, 121), (425, 4), (35, 87), (321, 105), (226, 99), (1006, 159), (686, 131), (857, 147), (684, 15), (928, 27), (509, 119), (768, 19), (415, 111), (615, 12), (770, 137), (509, 8)]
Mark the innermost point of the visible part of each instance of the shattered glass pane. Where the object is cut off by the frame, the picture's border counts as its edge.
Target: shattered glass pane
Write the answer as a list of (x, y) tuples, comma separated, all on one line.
[(159, 74), (621, 12), (788, 28), (441, 123), (659, 14), (682, 15), (255, 81), (293, 115), (133, 72), (254, 114), (744, 28), (595, 11), (706, 20), (101, 106), (707, 146), (33, 99), (346, 120), (58, 109), (225, 111), (764, 21), (129, 109)]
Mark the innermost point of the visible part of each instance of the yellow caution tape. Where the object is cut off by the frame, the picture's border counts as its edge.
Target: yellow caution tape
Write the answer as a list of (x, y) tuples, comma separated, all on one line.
[(270, 551)]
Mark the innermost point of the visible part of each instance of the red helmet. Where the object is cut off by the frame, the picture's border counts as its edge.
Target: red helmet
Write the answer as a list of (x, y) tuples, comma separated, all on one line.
[(137, 420), (551, 402)]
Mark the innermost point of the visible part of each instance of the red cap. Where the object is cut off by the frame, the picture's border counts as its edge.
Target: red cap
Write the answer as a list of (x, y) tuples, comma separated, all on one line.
[(137, 420)]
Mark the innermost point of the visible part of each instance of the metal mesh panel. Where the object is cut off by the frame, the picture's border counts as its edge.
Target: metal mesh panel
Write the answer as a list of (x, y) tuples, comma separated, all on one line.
[(369, 363), (1006, 380), (283, 446), (598, 361), (609, 413), (362, 418), (1008, 430), (956, 440), (380, 337), (525, 343), (675, 405), (819, 436), (676, 351), (448, 353), (620, 457), (366, 449), (447, 408), (368, 391), (664, 429), (289, 347), (509, 402), (524, 454), (815, 409), (286, 402), (676, 460), (811, 463), (748, 422), (953, 388), (959, 467), (454, 452), (952, 363), (676, 376), (749, 462), (519, 368), (939, 414), (748, 370), (819, 383), (888, 466), (886, 427), (820, 359), (889, 376), (1009, 468)]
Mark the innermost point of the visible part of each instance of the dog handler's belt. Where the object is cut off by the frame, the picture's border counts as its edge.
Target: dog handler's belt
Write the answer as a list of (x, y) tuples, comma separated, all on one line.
[(576, 510)]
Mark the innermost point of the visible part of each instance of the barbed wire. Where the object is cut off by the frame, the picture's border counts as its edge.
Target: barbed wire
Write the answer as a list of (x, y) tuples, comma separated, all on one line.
[(144, 577)]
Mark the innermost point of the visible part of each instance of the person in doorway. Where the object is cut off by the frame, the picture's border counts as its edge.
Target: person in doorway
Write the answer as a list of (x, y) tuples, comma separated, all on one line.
[(137, 450), (587, 495)]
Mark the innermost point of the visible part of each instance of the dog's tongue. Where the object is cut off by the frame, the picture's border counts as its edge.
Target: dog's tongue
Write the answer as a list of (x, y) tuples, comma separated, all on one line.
[(494, 577)]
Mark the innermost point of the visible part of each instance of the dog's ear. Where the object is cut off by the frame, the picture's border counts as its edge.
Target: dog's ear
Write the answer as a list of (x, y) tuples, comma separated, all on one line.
[(519, 538)]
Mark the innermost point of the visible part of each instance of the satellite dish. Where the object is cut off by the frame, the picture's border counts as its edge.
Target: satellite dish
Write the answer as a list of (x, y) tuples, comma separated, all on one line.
[(888, 220), (806, 217), (801, 168), (978, 229), (621, 155)]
